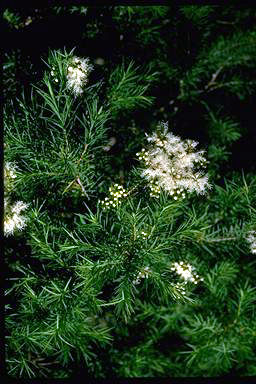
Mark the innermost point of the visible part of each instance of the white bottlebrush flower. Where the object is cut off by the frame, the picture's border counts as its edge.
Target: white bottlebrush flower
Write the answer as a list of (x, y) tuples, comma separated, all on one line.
[(9, 176), (14, 221), (251, 238), (172, 162), (18, 207), (9, 227), (77, 74), (9, 171), (12, 217), (186, 272)]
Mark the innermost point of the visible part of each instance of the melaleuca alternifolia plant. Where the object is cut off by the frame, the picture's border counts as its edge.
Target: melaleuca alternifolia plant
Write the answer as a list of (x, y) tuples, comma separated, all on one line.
[(111, 258), (56, 140)]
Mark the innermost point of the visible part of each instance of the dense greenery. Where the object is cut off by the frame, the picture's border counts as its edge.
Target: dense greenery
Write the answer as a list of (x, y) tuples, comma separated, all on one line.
[(113, 272)]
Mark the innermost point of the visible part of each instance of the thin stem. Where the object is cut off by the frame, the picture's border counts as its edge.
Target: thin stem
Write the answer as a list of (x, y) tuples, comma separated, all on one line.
[(221, 239), (214, 76), (82, 187)]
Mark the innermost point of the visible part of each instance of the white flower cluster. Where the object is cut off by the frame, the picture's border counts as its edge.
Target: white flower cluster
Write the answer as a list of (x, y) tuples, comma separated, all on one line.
[(251, 238), (143, 155), (9, 175), (117, 192), (77, 74), (144, 273), (186, 272), (154, 188), (153, 184), (171, 162), (9, 171), (12, 218), (14, 221)]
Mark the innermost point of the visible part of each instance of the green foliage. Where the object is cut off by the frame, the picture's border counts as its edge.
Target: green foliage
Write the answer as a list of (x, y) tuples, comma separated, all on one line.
[(222, 344), (199, 15), (73, 9), (96, 288), (9, 81), (222, 132), (61, 162), (233, 202), (127, 88), (12, 18), (216, 66), (41, 138), (221, 276), (142, 15), (246, 297)]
